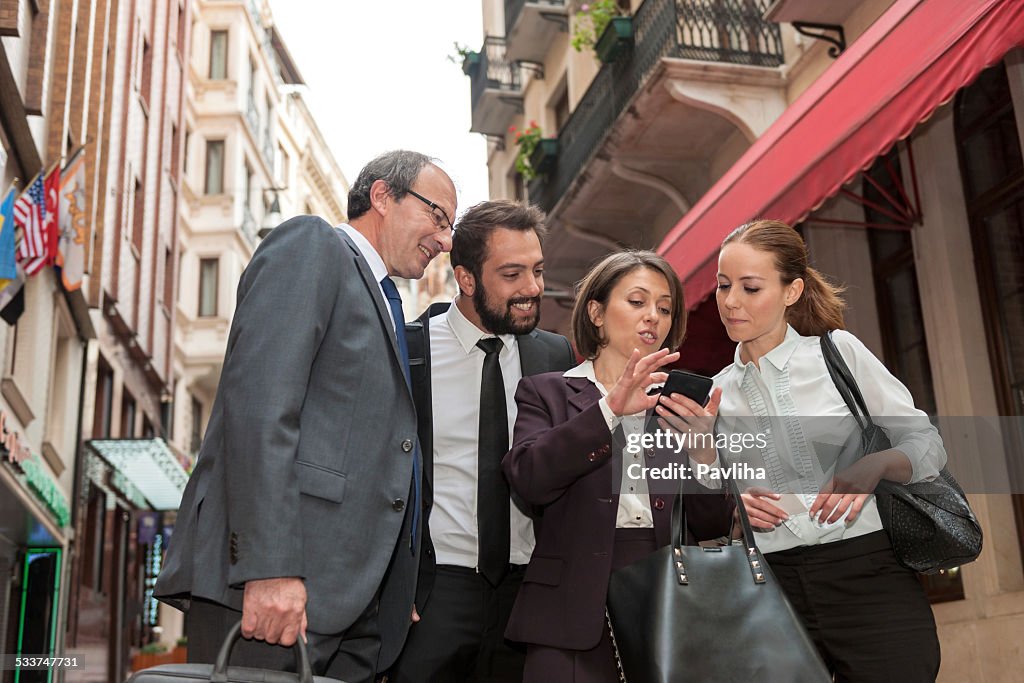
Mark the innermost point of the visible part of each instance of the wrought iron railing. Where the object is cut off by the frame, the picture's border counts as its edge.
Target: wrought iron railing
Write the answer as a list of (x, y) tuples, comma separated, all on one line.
[(732, 31), (252, 115), (513, 8), (495, 71)]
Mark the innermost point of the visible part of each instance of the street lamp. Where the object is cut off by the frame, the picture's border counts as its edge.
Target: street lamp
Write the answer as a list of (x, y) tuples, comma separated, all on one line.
[(272, 218)]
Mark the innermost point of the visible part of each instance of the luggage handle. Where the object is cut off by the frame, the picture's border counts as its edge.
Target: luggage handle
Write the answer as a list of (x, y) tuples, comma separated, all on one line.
[(220, 668)]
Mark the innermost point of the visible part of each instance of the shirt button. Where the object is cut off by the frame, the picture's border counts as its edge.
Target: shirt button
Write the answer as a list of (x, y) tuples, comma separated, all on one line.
[(407, 445), (398, 505)]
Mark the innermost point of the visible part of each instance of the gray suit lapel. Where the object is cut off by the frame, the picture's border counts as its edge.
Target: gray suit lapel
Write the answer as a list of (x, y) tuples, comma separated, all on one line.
[(378, 299)]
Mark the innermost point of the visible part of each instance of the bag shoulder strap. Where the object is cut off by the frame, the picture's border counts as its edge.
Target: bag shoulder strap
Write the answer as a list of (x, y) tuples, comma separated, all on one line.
[(845, 381)]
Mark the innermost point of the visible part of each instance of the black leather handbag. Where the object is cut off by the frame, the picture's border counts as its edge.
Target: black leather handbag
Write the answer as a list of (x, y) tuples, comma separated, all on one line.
[(707, 615), (930, 523), (220, 672)]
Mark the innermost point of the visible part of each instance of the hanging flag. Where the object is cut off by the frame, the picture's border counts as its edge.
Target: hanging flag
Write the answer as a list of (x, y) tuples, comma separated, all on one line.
[(12, 299), (51, 229), (71, 245), (8, 263), (28, 213)]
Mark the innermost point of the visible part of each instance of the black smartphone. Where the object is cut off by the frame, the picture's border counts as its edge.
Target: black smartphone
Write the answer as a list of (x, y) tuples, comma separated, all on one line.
[(697, 388)]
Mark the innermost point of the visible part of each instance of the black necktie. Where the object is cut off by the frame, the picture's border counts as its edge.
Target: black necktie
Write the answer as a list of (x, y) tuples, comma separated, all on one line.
[(492, 502), (395, 303)]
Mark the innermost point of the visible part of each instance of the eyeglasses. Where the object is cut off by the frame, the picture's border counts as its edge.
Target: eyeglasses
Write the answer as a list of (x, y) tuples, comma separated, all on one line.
[(435, 207)]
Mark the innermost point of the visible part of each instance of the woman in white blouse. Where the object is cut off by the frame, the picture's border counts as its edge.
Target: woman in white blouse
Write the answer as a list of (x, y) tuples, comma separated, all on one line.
[(819, 527)]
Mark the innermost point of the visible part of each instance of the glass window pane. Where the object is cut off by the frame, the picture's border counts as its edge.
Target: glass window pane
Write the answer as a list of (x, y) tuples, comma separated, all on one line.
[(214, 167), (218, 55), (208, 287)]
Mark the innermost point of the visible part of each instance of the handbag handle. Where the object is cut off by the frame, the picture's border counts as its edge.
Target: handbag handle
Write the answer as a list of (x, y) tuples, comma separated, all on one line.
[(220, 667), (679, 532)]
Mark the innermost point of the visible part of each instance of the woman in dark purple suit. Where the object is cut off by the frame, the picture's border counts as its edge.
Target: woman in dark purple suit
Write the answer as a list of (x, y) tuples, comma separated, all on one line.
[(629, 316)]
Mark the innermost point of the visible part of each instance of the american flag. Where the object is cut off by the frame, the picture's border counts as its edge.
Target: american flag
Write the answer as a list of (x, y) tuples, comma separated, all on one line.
[(30, 214), (36, 213)]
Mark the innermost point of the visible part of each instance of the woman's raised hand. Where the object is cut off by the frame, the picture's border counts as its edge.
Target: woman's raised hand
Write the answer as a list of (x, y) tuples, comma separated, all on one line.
[(629, 395)]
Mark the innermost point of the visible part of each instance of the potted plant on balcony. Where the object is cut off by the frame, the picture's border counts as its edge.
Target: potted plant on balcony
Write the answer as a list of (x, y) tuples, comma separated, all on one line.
[(603, 26), (536, 154), (469, 59)]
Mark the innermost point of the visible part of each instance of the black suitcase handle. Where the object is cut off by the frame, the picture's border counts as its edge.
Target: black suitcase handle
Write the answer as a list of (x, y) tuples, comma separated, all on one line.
[(220, 668)]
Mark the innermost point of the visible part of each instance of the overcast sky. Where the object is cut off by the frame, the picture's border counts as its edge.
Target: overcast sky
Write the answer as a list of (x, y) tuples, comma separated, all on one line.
[(379, 79)]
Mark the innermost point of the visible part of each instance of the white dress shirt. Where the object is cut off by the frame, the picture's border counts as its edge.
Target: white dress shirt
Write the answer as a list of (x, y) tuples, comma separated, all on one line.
[(634, 509), (373, 259), (456, 365), (793, 382)]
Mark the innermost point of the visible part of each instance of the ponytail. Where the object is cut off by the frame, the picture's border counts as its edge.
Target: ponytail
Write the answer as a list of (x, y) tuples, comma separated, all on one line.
[(819, 309)]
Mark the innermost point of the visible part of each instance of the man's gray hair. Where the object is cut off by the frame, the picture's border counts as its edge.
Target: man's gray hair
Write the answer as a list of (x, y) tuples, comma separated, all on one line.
[(398, 168)]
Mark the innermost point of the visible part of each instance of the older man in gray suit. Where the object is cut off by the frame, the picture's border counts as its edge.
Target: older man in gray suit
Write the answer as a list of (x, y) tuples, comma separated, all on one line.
[(300, 516)]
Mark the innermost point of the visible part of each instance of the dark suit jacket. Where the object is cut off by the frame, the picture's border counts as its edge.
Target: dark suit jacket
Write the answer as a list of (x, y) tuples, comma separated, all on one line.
[(561, 459), (300, 472), (539, 351)]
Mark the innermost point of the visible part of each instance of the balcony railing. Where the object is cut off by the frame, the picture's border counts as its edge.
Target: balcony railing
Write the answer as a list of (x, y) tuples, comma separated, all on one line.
[(252, 115), (494, 72), (731, 31)]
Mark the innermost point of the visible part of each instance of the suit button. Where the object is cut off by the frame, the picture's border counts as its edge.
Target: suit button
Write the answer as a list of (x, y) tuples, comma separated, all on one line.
[(398, 505), (659, 504), (407, 445), (649, 452)]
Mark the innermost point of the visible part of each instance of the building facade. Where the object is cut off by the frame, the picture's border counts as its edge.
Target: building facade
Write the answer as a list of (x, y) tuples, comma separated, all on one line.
[(255, 157), (711, 114)]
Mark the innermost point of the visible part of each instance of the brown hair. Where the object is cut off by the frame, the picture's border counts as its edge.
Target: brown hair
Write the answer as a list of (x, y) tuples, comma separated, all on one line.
[(597, 286), (474, 230), (820, 308)]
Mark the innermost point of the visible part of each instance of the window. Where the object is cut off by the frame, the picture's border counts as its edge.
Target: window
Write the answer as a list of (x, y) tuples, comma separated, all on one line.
[(992, 171), (197, 425), (180, 43), (247, 191), (214, 167), (282, 167), (104, 401), (560, 107), (168, 279), (147, 72), (127, 415), (208, 287), (92, 547), (138, 215), (218, 55), (175, 169)]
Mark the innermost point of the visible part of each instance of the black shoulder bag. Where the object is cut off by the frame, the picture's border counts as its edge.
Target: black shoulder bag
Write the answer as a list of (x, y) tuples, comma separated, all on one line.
[(695, 614), (930, 523)]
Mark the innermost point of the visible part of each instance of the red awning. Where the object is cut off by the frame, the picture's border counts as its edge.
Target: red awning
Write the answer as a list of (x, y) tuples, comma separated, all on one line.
[(913, 59)]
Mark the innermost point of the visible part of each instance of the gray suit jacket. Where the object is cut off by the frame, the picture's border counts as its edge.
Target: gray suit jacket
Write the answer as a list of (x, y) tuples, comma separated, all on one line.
[(306, 466)]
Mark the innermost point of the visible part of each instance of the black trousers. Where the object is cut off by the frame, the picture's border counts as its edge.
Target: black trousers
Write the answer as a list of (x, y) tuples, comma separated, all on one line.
[(461, 633), (867, 614), (350, 656)]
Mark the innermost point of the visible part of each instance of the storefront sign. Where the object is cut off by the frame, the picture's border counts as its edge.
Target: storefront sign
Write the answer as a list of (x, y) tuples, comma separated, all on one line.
[(10, 442), (36, 479), (40, 483)]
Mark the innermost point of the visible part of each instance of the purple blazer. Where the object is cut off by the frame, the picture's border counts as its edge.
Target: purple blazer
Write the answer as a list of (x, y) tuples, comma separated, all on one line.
[(561, 461)]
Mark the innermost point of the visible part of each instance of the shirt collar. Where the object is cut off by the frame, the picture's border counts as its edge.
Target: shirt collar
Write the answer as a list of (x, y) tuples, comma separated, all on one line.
[(584, 370), (373, 259), (780, 355), (468, 333)]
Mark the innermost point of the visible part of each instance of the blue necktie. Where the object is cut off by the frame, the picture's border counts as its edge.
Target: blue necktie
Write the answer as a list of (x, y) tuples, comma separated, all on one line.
[(395, 302)]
